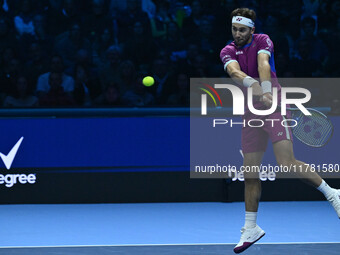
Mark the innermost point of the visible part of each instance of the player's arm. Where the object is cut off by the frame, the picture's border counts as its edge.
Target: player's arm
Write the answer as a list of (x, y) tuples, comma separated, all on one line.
[(263, 67), (265, 77), (241, 78)]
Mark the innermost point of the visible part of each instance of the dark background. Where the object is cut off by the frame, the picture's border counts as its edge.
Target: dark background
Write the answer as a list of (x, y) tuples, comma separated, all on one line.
[(102, 49)]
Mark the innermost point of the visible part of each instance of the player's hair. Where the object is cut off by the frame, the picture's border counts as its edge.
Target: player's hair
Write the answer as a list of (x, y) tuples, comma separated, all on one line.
[(244, 12)]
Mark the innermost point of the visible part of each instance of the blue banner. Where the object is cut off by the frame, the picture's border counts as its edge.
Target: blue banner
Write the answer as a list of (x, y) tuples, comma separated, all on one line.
[(125, 144)]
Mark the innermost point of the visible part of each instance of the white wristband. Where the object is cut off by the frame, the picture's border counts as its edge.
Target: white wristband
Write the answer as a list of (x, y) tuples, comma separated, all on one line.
[(248, 81), (266, 87)]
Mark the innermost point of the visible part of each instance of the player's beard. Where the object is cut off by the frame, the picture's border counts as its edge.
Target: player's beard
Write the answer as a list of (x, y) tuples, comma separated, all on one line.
[(243, 41)]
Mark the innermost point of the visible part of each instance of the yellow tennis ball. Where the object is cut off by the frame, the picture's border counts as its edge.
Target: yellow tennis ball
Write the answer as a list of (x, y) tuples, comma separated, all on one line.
[(148, 81)]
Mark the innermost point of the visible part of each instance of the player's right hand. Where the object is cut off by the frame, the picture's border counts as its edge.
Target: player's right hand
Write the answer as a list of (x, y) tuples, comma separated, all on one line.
[(257, 90), (267, 99)]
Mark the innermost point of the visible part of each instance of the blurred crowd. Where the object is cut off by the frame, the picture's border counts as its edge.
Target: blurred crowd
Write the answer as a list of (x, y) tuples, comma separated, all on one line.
[(95, 53)]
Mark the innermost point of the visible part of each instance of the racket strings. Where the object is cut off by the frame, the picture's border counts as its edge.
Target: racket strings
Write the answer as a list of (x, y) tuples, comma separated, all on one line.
[(307, 129), (315, 130)]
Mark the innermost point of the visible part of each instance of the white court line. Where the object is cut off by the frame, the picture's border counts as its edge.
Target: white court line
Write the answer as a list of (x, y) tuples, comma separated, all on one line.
[(172, 244)]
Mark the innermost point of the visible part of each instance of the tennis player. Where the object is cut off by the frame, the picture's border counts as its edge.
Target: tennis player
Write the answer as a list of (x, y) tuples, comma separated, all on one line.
[(249, 60)]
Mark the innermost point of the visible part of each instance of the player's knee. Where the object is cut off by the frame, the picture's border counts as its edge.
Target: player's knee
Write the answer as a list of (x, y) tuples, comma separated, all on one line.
[(251, 172), (286, 162)]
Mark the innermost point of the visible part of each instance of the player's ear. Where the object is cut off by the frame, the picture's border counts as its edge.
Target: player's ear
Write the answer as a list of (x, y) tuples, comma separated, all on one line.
[(252, 30)]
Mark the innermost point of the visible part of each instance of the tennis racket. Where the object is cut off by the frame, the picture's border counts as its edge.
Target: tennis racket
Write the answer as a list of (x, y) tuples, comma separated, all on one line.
[(314, 130)]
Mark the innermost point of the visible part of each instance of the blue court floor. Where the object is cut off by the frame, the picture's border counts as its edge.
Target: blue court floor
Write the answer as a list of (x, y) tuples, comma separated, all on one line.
[(166, 228)]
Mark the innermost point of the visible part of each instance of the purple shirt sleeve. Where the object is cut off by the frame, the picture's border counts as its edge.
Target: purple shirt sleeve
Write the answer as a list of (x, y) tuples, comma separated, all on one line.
[(265, 45), (227, 56)]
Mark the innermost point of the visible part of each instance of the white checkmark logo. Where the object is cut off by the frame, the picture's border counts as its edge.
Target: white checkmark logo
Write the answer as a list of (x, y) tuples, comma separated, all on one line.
[(8, 159)]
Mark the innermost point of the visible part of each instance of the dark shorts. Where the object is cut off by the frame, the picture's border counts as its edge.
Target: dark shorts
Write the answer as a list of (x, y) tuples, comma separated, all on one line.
[(255, 139)]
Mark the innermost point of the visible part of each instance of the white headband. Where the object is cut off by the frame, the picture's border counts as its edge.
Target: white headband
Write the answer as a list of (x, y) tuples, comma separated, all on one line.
[(243, 21)]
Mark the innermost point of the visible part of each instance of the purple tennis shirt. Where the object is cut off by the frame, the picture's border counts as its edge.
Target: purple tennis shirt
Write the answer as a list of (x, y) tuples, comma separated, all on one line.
[(246, 56), (256, 139)]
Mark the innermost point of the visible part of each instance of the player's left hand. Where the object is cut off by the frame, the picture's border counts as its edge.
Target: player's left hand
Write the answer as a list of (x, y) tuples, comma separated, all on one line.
[(267, 99)]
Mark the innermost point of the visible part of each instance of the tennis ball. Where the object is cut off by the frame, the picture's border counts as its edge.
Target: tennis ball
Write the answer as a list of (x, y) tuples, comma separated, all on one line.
[(148, 81)]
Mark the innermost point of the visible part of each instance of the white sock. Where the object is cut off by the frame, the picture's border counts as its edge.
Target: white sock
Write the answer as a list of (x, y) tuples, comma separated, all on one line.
[(325, 189), (250, 221)]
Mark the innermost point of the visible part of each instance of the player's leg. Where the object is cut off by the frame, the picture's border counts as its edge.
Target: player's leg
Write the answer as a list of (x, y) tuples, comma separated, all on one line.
[(282, 137), (252, 183), (251, 232), (284, 155), (254, 143)]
